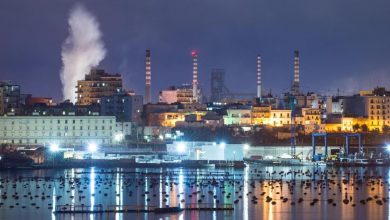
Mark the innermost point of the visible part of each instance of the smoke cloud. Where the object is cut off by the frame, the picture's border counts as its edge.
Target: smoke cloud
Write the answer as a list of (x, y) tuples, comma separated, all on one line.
[(82, 50)]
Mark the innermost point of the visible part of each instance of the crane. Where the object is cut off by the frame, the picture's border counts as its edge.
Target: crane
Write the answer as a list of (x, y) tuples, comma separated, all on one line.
[(292, 125)]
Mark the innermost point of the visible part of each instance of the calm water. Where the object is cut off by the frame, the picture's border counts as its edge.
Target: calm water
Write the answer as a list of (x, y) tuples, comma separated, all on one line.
[(32, 193)]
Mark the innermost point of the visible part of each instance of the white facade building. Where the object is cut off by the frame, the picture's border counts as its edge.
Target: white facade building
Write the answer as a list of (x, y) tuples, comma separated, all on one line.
[(62, 130), (168, 96)]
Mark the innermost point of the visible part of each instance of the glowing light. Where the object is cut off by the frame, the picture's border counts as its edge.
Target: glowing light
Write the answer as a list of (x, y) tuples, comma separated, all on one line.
[(181, 147), (246, 146), (92, 147), (388, 147), (118, 137), (54, 148), (286, 156), (222, 144), (193, 53)]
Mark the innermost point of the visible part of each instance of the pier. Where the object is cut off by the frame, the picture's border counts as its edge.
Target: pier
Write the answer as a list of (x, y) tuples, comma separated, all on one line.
[(96, 209)]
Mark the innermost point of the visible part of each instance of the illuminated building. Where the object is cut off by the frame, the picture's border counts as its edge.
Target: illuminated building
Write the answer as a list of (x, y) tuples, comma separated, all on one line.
[(238, 117), (280, 117), (373, 106), (165, 119), (261, 115), (10, 94), (96, 85), (185, 94), (309, 116), (61, 130)]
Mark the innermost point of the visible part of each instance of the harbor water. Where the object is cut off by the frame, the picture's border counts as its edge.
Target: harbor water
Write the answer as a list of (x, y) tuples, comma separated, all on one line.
[(256, 192)]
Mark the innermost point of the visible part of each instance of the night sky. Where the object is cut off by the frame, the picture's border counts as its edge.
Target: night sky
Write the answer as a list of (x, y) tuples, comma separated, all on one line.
[(343, 43)]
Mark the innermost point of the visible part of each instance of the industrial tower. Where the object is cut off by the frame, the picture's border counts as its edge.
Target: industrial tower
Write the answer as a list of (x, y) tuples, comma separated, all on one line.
[(194, 55), (295, 84), (258, 71), (219, 91), (148, 77)]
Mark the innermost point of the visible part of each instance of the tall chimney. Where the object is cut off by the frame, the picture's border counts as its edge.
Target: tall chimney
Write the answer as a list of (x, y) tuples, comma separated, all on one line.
[(194, 55), (295, 84), (258, 71), (148, 77)]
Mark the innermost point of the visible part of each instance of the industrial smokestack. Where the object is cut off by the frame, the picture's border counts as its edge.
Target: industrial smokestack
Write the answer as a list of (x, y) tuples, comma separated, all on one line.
[(258, 71), (148, 77), (195, 76), (295, 84), (81, 51)]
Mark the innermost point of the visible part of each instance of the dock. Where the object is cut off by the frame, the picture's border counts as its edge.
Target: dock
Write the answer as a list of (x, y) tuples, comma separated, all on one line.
[(100, 209)]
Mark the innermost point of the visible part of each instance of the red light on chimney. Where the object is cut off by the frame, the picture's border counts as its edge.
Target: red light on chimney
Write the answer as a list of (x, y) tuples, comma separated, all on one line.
[(193, 53)]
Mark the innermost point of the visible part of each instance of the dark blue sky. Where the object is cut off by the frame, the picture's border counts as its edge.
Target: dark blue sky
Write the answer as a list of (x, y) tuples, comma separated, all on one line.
[(344, 44)]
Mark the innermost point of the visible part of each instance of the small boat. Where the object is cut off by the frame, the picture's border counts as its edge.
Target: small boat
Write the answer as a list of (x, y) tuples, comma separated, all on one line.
[(379, 161), (361, 162)]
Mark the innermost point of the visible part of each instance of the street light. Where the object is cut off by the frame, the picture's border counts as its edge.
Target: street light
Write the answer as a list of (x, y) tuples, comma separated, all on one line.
[(222, 144), (92, 147), (246, 146), (181, 147), (54, 148), (388, 147), (118, 137)]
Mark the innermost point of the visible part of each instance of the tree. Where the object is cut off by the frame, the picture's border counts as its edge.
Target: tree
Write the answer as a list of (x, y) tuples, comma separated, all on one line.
[(364, 128), (386, 129), (356, 127)]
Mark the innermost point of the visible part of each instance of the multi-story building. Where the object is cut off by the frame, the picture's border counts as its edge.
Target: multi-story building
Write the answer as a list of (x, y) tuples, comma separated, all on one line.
[(335, 105), (2, 107), (261, 115), (309, 116), (238, 117), (165, 119), (168, 96), (373, 106), (280, 117), (182, 94), (185, 94), (66, 131), (96, 85), (123, 106), (10, 94)]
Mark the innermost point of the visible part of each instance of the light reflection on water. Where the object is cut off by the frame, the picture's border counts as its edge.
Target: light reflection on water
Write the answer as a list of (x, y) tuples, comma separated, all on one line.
[(122, 187)]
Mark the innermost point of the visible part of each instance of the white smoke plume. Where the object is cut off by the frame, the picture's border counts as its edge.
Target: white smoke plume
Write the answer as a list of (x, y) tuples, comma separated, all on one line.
[(82, 50)]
